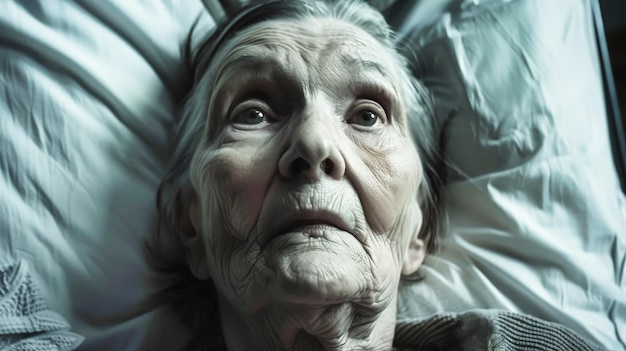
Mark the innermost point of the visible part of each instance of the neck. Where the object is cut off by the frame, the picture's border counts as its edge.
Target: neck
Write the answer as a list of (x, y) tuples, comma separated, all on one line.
[(308, 328), (239, 334)]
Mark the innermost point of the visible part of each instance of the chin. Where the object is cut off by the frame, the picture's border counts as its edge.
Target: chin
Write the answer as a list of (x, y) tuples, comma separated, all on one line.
[(327, 269)]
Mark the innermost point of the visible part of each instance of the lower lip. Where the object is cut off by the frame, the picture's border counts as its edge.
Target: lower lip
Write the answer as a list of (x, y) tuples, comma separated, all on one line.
[(308, 234)]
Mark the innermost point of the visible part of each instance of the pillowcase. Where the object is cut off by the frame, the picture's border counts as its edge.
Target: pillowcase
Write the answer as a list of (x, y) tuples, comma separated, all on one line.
[(535, 216), (88, 97)]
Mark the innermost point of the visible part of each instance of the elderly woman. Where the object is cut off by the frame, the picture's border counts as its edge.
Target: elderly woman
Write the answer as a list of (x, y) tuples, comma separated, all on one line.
[(304, 187)]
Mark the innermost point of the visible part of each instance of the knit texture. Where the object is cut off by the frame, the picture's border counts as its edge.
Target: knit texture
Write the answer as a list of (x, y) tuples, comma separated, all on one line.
[(491, 330), (26, 322)]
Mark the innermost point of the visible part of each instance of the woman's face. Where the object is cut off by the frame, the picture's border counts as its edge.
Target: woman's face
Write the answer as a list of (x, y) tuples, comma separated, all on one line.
[(306, 179)]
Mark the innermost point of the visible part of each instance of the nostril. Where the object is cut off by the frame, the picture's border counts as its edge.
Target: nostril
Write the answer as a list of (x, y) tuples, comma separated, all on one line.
[(327, 166), (299, 165)]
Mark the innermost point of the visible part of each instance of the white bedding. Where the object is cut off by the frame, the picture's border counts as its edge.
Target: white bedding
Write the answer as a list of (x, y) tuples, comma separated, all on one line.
[(536, 220), (87, 101)]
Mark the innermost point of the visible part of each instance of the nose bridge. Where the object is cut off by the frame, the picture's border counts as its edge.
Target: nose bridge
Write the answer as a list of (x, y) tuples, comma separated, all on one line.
[(313, 145), (312, 136)]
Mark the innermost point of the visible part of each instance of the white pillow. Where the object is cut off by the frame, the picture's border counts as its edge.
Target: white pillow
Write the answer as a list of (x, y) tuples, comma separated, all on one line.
[(88, 94), (536, 219)]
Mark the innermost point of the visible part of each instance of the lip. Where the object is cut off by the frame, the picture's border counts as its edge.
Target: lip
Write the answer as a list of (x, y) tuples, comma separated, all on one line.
[(312, 222)]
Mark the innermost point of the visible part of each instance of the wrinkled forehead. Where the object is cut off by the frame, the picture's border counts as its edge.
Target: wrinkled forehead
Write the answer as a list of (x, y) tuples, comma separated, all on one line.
[(300, 44)]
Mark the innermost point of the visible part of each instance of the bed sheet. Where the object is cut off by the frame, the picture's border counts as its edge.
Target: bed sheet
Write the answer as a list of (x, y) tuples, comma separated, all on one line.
[(536, 220)]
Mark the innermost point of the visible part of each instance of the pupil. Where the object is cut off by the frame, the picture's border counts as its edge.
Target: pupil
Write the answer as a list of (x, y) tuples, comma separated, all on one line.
[(256, 116), (368, 118)]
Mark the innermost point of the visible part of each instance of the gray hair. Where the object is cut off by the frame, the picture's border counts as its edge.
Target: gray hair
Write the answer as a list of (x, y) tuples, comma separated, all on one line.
[(166, 244)]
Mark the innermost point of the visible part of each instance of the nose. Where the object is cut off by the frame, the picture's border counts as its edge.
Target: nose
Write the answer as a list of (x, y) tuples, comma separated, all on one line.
[(313, 152)]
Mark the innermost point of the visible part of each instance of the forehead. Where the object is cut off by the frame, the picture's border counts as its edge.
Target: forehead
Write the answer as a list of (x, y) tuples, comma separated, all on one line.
[(306, 44), (312, 34)]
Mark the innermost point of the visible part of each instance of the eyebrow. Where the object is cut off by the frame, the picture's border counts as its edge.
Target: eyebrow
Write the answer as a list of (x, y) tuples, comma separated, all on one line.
[(253, 62), (360, 64), (250, 62)]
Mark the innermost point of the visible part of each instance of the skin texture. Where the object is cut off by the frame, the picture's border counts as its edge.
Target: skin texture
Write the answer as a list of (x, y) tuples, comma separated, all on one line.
[(305, 186)]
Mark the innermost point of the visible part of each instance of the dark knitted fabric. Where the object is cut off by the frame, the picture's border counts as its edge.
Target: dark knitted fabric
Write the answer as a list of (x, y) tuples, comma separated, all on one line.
[(479, 330), (488, 330)]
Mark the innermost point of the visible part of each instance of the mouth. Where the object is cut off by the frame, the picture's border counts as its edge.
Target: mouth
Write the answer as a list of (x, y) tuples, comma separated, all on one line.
[(311, 223), (312, 227)]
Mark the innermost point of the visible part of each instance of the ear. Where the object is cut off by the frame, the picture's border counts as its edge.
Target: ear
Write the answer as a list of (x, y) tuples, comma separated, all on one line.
[(414, 256), (416, 250), (190, 225)]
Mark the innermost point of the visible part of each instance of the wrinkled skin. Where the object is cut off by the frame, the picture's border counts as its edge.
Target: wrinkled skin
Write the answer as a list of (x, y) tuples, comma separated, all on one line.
[(306, 182)]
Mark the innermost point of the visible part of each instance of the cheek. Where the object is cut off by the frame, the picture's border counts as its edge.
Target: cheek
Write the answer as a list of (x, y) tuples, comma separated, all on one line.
[(388, 181), (232, 183)]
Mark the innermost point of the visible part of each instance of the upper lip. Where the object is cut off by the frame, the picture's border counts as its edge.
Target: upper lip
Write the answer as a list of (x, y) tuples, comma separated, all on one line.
[(294, 219)]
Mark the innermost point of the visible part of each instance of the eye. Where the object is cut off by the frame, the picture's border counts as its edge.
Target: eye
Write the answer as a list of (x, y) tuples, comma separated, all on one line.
[(366, 115), (364, 118), (251, 116)]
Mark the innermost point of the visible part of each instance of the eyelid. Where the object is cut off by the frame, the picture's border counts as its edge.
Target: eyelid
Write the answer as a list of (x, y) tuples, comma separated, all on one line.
[(367, 105), (250, 104), (377, 93)]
